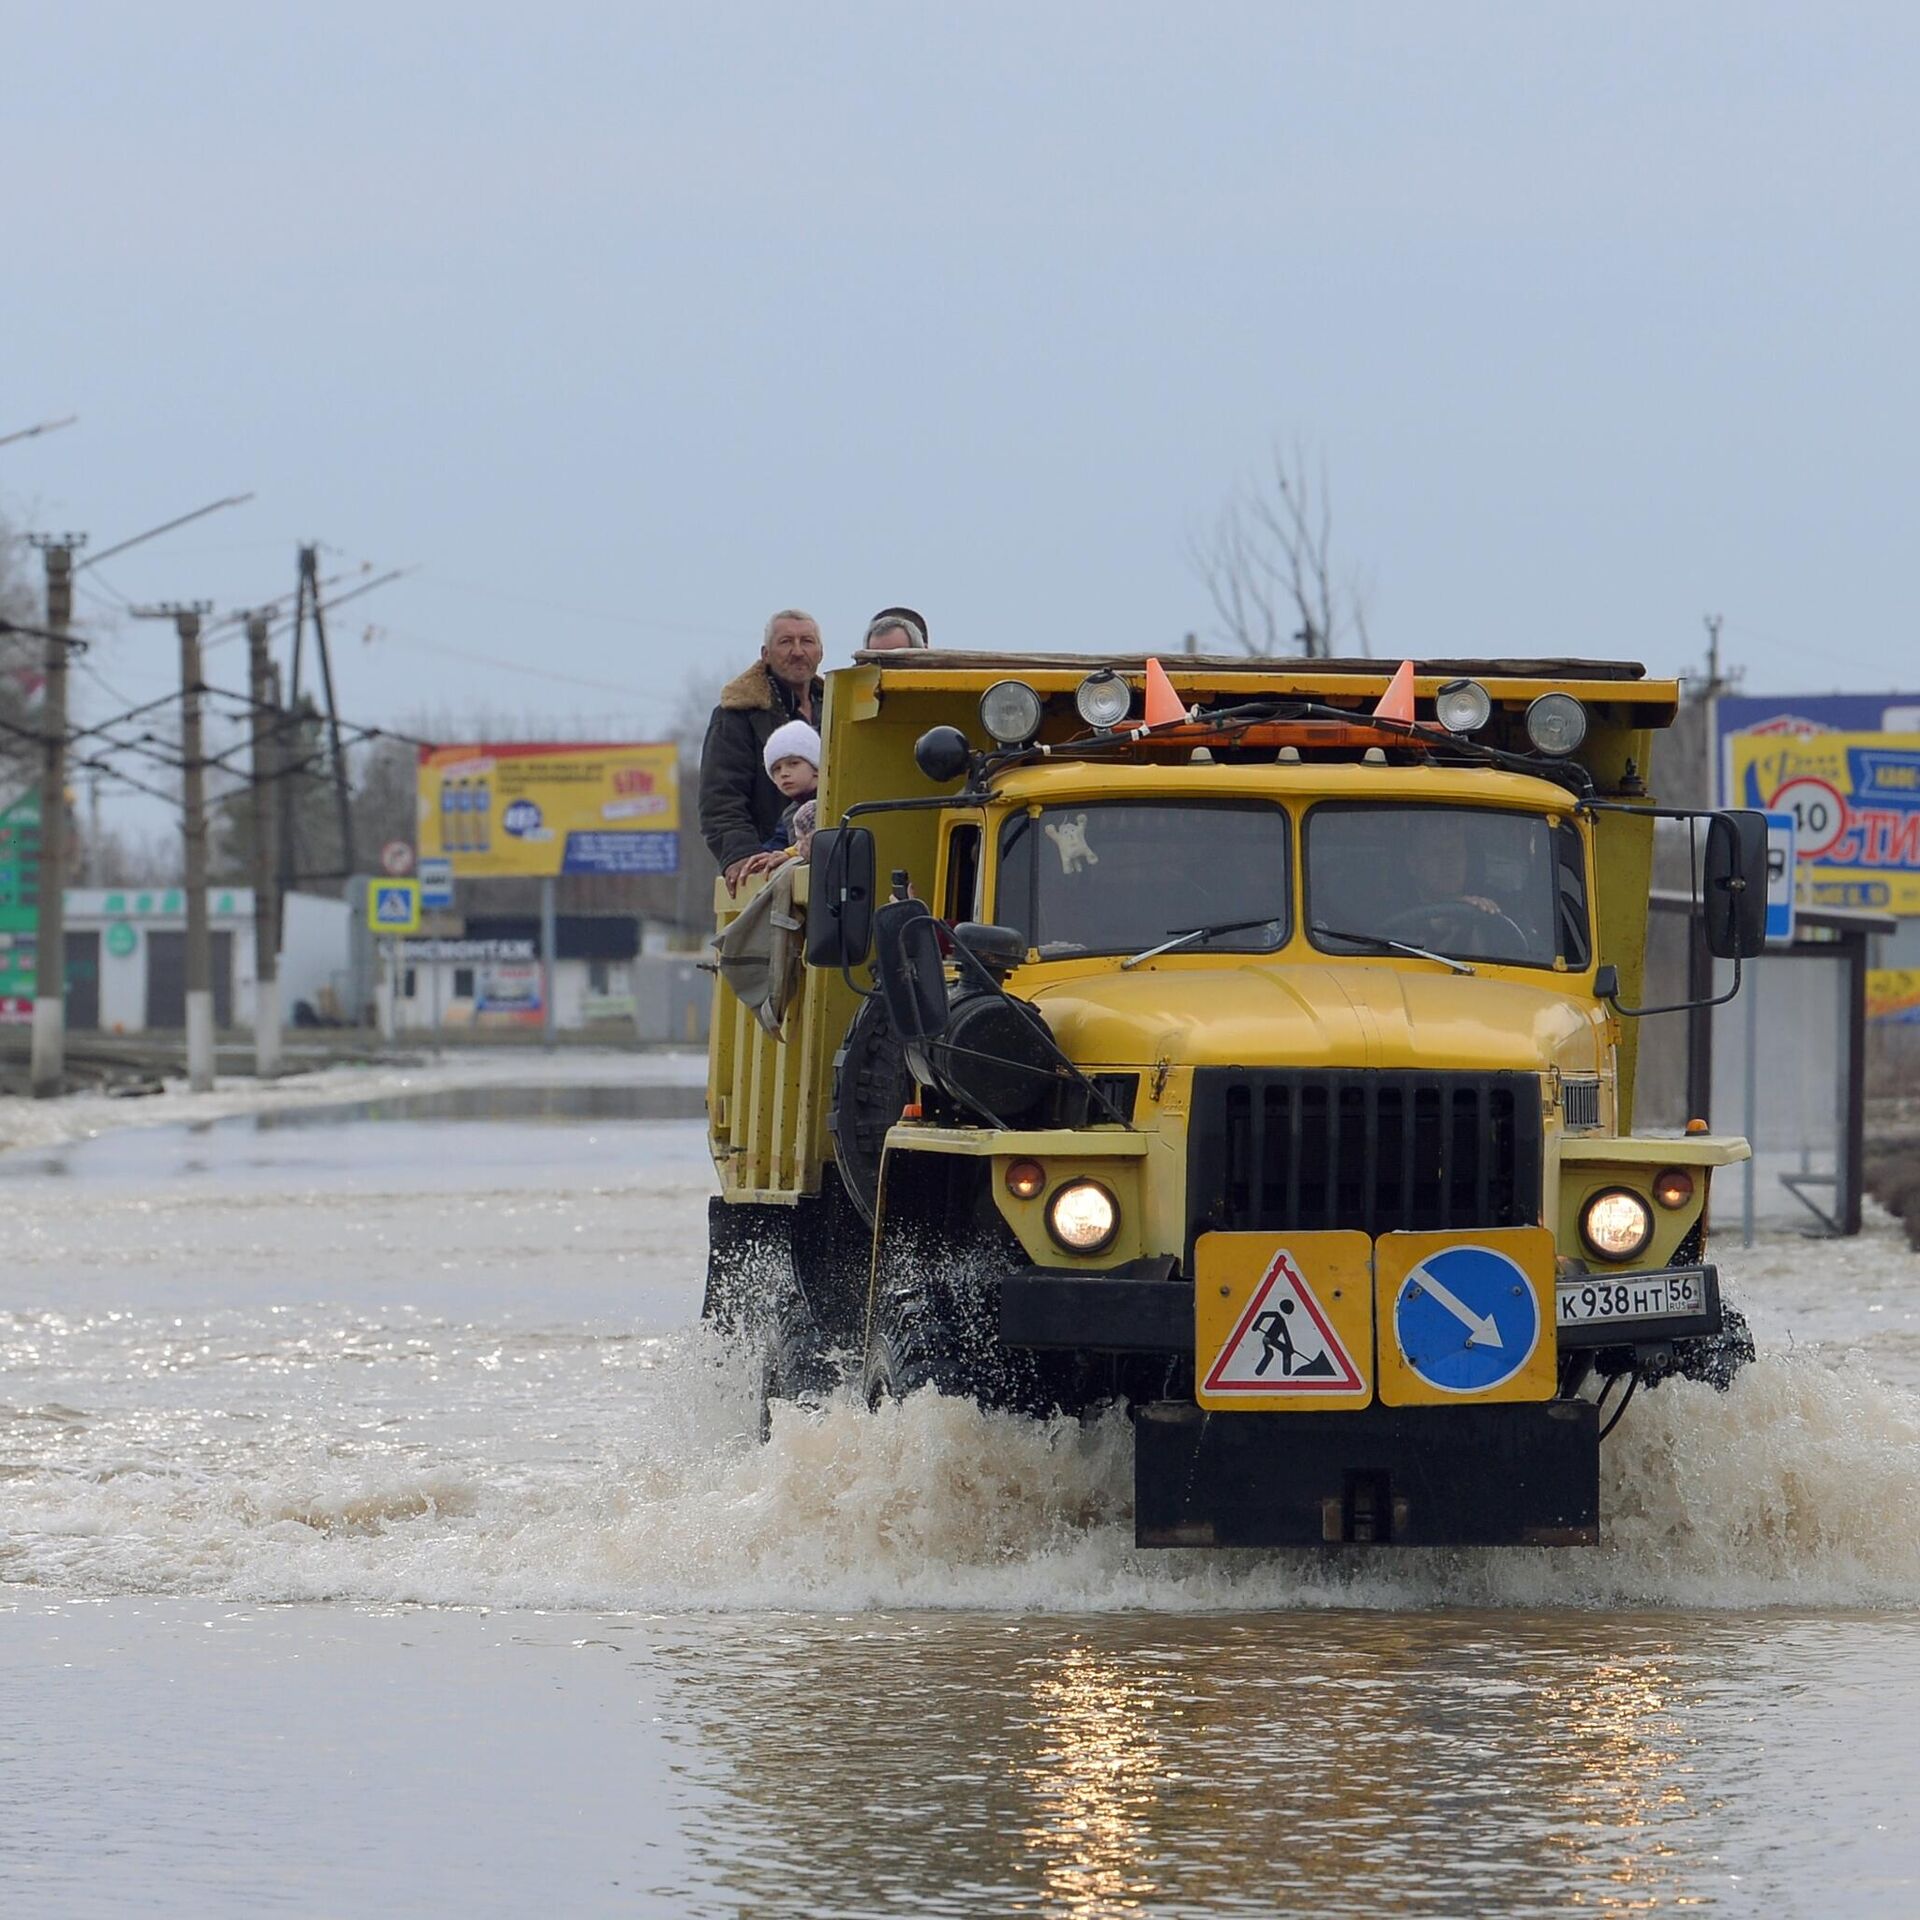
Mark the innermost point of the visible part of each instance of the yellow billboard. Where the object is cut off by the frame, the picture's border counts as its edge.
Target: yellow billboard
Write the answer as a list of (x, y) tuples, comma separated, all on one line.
[(1855, 800), (1893, 994), (505, 811)]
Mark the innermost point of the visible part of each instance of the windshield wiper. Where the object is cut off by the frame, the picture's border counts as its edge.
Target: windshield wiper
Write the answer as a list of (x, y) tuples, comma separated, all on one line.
[(1380, 943), (1182, 935)]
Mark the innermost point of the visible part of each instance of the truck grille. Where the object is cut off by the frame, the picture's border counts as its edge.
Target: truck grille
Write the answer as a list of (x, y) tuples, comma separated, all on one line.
[(1273, 1149)]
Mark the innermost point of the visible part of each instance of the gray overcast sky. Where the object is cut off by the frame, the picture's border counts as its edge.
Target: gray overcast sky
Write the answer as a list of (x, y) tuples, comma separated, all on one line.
[(630, 323)]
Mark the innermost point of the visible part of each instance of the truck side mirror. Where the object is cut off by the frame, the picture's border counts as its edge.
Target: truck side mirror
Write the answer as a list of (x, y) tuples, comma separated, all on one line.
[(841, 871), (908, 966), (1734, 885)]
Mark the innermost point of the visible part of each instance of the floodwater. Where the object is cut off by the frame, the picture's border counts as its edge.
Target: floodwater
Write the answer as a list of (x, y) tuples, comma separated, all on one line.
[(378, 1534)]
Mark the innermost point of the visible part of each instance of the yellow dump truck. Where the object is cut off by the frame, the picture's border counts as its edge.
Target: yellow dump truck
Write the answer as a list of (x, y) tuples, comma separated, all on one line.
[(1250, 1043)]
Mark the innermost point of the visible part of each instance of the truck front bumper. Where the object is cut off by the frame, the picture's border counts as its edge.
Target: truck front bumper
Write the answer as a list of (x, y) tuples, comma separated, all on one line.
[(1525, 1474)]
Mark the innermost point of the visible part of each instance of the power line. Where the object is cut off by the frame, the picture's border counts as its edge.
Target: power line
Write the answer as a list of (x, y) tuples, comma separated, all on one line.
[(236, 621), (101, 580), (30, 433), (432, 579), (100, 680), (514, 666)]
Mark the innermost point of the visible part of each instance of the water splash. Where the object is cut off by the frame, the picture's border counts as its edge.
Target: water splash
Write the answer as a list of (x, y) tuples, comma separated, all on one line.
[(1798, 1488)]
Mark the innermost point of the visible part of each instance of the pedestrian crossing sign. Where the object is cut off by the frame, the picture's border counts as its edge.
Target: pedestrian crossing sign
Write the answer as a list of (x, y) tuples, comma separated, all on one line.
[(393, 906), (1286, 1325)]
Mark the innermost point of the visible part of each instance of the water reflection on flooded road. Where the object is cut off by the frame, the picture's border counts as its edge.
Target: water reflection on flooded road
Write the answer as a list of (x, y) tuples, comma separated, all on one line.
[(185, 1759), (1439, 1763)]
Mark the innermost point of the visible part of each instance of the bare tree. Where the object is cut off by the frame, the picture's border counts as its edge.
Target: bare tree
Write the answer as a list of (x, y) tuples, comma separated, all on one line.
[(1268, 567), (128, 859)]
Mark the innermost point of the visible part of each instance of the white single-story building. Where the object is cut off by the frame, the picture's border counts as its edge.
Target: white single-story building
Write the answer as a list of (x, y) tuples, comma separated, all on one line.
[(491, 976), (127, 957)]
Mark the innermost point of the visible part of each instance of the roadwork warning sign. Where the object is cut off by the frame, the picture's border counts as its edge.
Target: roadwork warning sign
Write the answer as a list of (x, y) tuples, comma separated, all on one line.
[(1283, 1344)]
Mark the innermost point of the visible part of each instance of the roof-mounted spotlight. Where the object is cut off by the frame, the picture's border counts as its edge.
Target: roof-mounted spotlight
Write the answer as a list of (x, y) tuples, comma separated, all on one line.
[(1556, 724), (1010, 712), (1103, 698), (1463, 706)]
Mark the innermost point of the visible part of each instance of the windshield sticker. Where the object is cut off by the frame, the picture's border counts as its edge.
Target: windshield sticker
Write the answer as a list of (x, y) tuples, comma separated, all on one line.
[(1070, 837)]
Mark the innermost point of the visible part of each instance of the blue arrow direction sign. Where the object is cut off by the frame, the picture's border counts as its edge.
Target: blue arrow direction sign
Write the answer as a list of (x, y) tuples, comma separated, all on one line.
[(1466, 1319)]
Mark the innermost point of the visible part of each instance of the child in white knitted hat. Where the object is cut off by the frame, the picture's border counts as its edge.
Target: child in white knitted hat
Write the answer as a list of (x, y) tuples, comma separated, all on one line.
[(792, 758)]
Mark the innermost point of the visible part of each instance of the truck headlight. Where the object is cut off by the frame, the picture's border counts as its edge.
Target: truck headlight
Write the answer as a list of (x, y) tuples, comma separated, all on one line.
[(1083, 1216), (1617, 1224)]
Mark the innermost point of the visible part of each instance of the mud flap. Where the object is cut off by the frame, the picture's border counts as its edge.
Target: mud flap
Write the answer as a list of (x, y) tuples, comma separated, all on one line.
[(1511, 1475)]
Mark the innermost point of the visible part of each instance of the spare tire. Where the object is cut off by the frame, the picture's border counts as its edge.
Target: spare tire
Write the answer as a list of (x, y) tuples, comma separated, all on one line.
[(871, 1084)]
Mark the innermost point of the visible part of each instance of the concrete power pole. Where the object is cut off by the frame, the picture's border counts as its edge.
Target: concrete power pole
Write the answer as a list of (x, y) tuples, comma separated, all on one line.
[(186, 620), (266, 909), (193, 800), (50, 937)]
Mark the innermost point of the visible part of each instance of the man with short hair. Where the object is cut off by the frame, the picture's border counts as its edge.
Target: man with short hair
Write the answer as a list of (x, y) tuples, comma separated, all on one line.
[(739, 805), (894, 627)]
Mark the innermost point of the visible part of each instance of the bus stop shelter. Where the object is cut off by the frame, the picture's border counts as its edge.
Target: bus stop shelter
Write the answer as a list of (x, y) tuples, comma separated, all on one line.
[(1783, 1063)]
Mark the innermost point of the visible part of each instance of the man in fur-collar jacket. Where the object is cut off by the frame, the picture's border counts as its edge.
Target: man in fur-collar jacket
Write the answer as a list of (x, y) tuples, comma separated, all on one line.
[(739, 805)]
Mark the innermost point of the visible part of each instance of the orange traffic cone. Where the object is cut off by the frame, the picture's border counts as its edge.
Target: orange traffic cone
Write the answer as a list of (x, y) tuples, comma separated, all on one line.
[(1397, 702), (1163, 704)]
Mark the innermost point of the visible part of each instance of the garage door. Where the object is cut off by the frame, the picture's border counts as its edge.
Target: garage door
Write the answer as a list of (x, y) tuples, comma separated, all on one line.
[(83, 981), (167, 979)]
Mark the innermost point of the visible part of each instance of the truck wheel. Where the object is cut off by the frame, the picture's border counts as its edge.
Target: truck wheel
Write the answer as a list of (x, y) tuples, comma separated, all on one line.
[(1716, 1358), (871, 1083), (911, 1345), (795, 1363), (936, 1323)]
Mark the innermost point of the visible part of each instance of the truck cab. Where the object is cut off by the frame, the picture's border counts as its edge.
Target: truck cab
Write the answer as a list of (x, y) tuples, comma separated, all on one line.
[(1248, 1043)]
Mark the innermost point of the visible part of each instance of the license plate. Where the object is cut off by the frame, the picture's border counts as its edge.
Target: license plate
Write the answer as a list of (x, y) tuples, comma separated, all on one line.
[(1589, 1299)]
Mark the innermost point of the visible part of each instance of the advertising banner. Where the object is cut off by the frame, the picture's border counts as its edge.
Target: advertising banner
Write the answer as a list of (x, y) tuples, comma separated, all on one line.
[(1847, 767), (1893, 994), (509, 811), (508, 994)]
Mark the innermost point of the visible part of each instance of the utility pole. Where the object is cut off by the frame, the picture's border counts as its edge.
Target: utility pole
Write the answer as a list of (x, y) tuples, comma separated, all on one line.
[(186, 617), (266, 909), (1709, 719), (49, 1065), (310, 567)]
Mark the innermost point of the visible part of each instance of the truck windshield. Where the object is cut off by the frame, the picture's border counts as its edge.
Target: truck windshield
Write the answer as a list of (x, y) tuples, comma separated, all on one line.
[(1469, 882), (1120, 877)]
